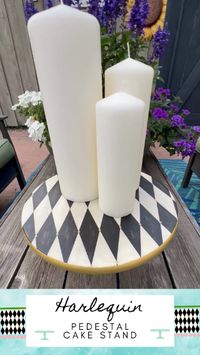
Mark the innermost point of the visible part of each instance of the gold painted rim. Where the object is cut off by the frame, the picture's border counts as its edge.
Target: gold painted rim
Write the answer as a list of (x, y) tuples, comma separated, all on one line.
[(105, 269)]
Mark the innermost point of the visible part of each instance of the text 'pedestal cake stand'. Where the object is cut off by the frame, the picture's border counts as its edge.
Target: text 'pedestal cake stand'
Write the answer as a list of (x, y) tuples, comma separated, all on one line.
[(79, 237)]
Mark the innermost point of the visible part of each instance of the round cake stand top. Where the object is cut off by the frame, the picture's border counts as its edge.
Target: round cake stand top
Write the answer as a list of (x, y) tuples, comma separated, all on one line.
[(79, 237)]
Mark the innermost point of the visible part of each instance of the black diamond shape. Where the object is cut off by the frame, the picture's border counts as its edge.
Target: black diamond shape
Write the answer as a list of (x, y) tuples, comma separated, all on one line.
[(110, 230), (70, 203), (137, 194), (176, 312), (166, 218), (176, 329), (54, 194), (39, 195), (184, 312), (147, 186), (131, 228), (161, 187), (46, 235), (151, 225), (67, 236), (89, 234), (29, 228)]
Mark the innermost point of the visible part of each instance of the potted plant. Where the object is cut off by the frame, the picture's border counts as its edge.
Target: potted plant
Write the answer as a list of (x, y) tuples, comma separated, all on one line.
[(123, 23)]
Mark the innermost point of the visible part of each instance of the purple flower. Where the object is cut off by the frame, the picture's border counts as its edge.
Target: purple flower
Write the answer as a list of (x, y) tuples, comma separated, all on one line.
[(68, 2), (29, 9), (110, 12), (138, 16), (187, 148), (49, 3), (161, 93), (186, 112), (159, 113), (95, 9), (178, 121), (196, 128), (174, 107), (159, 43)]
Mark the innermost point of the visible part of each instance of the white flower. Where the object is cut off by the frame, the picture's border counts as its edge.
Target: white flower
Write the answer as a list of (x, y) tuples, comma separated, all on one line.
[(36, 130), (36, 98), (29, 121), (14, 107), (29, 97), (25, 99)]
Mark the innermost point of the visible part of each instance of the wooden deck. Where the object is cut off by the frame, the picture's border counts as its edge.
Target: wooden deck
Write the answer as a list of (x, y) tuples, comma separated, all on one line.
[(177, 267)]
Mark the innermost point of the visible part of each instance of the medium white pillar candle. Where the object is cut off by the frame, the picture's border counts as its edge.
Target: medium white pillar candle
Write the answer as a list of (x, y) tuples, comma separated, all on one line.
[(134, 78), (119, 128), (66, 50)]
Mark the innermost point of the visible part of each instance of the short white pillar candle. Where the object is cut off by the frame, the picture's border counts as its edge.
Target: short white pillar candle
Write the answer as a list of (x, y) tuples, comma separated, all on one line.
[(66, 50), (119, 127), (134, 78)]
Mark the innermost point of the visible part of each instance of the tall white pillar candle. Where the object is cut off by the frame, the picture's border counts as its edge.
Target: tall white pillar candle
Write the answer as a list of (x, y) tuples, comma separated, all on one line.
[(134, 78), (119, 127), (66, 50)]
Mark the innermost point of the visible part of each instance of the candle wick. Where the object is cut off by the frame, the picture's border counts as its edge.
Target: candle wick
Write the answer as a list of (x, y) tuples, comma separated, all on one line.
[(128, 49)]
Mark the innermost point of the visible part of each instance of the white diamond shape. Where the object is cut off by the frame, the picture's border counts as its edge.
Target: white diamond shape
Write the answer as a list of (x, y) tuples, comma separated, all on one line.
[(136, 211), (59, 212), (147, 177), (103, 255), (149, 203), (164, 200), (55, 251), (78, 211), (51, 182), (165, 233), (147, 243), (95, 211), (126, 251), (27, 210), (78, 254), (41, 213)]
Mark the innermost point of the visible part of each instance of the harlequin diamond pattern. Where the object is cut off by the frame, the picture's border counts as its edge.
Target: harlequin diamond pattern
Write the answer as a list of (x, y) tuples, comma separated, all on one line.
[(187, 320), (72, 232), (12, 322)]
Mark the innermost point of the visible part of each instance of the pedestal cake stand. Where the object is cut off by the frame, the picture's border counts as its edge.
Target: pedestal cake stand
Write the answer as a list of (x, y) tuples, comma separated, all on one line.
[(79, 237)]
